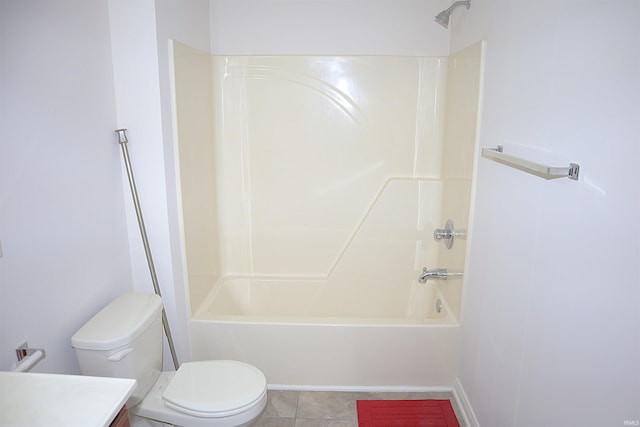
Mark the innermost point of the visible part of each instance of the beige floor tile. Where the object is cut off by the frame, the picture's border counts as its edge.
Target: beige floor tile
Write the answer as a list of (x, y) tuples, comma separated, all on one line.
[(274, 422), (328, 405), (281, 403), (314, 422)]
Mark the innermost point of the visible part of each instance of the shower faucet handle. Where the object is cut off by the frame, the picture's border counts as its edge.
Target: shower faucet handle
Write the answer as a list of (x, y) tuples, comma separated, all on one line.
[(448, 233), (442, 233)]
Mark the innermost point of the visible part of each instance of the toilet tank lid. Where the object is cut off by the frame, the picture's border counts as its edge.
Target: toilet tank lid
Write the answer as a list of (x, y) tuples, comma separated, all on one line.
[(119, 323)]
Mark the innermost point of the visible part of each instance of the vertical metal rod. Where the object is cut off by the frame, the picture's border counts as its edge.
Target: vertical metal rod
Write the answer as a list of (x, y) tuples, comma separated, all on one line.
[(122, 139)]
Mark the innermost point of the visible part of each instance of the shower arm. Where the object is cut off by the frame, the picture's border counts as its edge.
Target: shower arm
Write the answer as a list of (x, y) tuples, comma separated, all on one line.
[(122, 139), (459, 3), (443, 17)]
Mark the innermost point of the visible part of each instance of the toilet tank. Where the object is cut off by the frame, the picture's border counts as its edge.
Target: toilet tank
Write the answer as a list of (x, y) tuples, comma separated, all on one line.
[(124, 340)]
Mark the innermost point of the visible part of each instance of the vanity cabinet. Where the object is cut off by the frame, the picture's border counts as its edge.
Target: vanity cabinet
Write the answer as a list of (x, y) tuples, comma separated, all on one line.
[(122, 419)]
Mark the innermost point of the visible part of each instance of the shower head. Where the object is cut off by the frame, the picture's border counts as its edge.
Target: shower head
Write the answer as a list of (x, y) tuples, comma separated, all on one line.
[(443, 17)]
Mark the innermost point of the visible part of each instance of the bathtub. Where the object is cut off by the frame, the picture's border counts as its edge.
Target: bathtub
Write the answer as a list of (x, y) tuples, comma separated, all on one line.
[(318, 211), (302, 335)]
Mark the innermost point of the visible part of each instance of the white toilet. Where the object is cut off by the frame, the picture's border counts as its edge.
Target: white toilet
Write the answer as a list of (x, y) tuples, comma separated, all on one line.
[(124, 340)]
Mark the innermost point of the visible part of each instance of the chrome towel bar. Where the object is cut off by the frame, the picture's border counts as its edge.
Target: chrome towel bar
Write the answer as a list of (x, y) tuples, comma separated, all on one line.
[(543, 171)]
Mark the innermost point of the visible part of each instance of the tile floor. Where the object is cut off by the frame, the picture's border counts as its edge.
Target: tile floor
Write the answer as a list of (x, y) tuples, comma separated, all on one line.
[(286, 408)]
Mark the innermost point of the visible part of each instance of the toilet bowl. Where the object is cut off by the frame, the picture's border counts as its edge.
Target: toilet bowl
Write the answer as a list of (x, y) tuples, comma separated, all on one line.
[(187, 398), (124, 340)]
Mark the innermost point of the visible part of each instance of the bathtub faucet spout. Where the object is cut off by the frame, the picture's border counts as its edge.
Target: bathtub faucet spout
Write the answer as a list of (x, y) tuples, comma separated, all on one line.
[(437, 273)]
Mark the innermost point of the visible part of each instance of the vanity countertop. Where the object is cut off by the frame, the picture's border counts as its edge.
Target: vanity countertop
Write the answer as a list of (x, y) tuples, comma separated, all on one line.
[(33, 400)]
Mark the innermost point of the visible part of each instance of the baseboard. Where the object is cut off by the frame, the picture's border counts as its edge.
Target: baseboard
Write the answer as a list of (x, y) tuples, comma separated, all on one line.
[(464, 404), (373, 389)]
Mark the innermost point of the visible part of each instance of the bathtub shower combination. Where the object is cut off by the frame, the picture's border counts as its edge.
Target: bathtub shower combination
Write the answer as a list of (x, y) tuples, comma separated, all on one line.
[(311, 187)]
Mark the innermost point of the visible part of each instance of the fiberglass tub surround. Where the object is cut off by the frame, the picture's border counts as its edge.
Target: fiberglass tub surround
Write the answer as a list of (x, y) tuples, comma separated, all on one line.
[(311, 188)]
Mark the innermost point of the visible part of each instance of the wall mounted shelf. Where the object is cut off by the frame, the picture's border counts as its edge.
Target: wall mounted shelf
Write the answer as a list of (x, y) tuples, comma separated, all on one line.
[(543, 171)]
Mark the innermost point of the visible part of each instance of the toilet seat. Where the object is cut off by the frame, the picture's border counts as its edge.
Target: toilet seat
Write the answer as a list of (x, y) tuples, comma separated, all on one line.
[(215, 388)]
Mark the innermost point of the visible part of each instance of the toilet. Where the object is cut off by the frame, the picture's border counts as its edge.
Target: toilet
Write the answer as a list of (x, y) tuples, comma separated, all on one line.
[(124, 340)]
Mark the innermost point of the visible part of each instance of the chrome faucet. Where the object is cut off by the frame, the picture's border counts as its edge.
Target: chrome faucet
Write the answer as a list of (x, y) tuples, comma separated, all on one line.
[(437, 273)]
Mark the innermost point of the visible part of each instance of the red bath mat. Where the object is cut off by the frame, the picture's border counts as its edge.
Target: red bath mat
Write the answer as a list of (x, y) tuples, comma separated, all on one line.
[(406, 413)]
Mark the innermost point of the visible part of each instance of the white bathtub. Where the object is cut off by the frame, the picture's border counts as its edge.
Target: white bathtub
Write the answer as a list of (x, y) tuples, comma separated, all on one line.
[(301, 334)]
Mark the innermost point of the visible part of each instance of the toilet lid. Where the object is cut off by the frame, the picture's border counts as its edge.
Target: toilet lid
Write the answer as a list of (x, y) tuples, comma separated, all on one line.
[(215, 388)]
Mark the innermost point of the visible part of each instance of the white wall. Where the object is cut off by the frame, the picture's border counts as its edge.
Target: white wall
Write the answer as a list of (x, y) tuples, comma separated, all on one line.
[(140, 33), (67, 226), (551, 329), (327, 27), (62, 223)]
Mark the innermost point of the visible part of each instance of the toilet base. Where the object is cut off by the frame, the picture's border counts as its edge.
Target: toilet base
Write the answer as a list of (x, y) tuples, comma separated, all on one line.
[(152, 407)]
